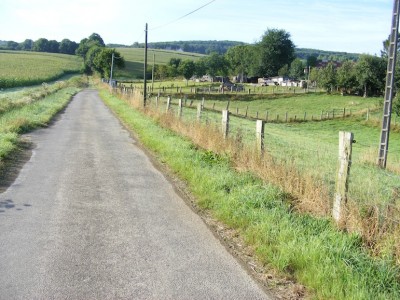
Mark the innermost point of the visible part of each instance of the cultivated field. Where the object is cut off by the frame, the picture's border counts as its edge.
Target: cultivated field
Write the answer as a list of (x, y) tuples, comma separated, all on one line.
[(134, 59), (19, 68)]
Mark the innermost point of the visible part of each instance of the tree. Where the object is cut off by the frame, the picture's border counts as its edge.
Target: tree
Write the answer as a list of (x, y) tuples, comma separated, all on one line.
[(26, 45), (102, 61), (296, 70), (327, 77), (200, 67), (53, 46), (94, 37), (41, 45), (68, 47), (370, 74), (187, 68), (217, 65), (346, 77), (11, 45), (284, 71), (173, 66), (274, 50), (240, 60), (86, 43), (312, 61)]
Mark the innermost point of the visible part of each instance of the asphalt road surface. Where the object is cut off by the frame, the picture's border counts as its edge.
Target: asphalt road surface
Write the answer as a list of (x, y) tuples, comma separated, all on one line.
[(90, 217)]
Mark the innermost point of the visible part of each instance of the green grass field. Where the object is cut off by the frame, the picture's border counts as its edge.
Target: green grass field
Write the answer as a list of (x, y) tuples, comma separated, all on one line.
[(134, 59), (19, 68)]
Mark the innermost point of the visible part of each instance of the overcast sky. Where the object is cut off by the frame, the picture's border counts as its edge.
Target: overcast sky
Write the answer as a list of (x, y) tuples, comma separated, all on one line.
[(342, 25)]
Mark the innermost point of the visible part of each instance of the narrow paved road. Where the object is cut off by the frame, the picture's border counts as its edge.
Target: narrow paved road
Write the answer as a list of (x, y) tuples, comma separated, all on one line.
[(89, 217)]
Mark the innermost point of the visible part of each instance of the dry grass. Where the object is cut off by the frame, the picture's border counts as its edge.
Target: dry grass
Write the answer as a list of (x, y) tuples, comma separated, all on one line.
[(377, 225)]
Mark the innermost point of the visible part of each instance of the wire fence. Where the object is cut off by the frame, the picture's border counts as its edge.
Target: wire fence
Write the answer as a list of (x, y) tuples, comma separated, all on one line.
[(373, 192)]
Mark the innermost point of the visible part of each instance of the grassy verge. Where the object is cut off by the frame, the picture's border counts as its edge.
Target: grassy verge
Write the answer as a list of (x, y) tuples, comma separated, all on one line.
[(330, 263), (20, 116)]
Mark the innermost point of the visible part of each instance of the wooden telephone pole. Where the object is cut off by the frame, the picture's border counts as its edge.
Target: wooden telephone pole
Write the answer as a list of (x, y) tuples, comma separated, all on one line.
[(145, 68)]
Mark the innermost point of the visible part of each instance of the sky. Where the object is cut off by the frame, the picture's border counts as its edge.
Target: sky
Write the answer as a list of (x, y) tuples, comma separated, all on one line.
[(354, 26)]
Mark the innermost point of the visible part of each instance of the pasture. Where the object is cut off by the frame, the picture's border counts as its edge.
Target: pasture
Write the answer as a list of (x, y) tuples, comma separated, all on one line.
[(134, 60), (20, 68)]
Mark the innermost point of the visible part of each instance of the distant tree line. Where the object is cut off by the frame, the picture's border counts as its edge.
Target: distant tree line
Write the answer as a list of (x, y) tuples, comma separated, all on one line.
[(66, 46), (97, 58)]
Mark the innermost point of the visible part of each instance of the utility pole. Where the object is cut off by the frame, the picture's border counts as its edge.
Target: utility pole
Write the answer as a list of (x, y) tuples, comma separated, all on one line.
[(145, 67), (387, 106), (152, 72), (112, 68)]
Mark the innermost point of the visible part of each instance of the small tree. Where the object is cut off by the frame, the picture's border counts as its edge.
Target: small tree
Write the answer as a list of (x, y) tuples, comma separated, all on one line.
[(187, 68), (296, 70), (327, 77), (346, 77)]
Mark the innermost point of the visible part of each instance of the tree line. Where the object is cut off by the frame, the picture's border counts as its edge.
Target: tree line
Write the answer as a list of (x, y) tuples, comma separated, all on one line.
[(66, 46)]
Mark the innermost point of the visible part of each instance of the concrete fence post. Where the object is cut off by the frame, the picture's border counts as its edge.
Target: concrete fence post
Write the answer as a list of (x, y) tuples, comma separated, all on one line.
[(180, 108), (346, 140), (168, 104), (260, 125), (225, 123), (199, 109)]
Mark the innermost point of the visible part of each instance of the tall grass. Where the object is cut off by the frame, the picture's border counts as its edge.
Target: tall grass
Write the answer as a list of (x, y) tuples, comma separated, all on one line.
[(330, 263), (19, 68), (32, 111)]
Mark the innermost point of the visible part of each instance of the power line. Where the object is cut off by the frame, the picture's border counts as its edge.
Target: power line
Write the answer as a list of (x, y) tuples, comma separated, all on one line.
[(184, 16)]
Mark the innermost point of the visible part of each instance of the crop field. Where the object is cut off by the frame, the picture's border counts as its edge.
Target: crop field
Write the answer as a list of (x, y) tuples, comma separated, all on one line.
[(19, 68), (134, 59)]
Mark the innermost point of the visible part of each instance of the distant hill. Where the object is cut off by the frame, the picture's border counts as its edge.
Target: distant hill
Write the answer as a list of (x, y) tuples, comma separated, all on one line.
[(206, 47), (201, 47), (304, 53)]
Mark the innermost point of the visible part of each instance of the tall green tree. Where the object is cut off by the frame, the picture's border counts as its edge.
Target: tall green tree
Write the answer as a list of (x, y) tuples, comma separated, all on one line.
[(68, 47), (296, 70), (241, 60), (26, 45), (327, 77), (187, 68), (370, 74), (103, 59), (217, 65), (41, 45), (275, 50), (346, 77)]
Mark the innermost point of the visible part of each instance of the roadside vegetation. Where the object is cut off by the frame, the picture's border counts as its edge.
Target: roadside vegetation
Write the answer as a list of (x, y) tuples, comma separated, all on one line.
[(306, 248), (24, 110)]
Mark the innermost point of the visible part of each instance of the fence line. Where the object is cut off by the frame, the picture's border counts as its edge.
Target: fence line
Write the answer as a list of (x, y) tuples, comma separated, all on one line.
[(202, 113)]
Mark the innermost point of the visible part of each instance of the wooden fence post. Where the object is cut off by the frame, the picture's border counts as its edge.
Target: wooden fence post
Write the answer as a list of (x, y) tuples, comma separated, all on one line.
[(202, 103), (342, 178), (199, 109), (180, 107), (260, 125), (168, 103), (225, 123), (157, 97), (266, 116)]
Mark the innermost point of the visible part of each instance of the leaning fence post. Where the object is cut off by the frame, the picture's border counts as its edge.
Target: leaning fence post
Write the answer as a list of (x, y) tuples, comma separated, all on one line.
[(260, 125), (157, 97), (168, 103), (180, 107), (342, 178), (225, 123), (199, 109)]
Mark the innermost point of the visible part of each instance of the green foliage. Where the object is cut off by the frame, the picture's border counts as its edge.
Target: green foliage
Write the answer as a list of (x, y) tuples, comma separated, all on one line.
[(327, 77), (296, 69), (396, 106), (275, 50), (346, 77), (187, 69), (370, 74)]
